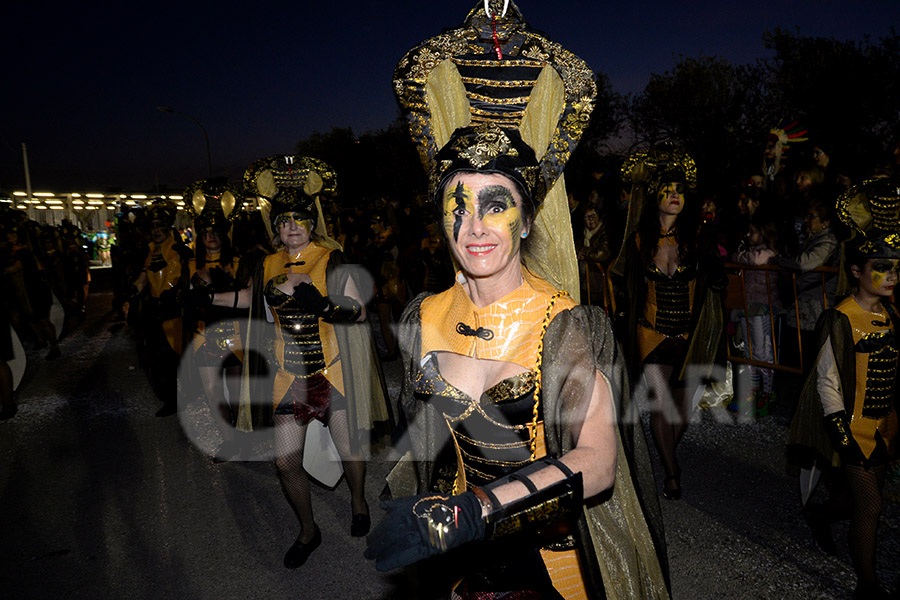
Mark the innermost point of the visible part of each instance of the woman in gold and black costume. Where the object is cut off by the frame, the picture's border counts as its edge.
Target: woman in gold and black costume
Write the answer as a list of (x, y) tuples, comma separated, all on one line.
[(847, 414), (165, 277), (672, 297), (518, 474), (325, 368), (215, 268)]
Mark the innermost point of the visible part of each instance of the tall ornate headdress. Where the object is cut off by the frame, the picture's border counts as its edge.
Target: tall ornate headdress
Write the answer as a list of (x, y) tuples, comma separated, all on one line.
[(477, 95), (213, 203), (289, 183), (646, 170), (872, 211)]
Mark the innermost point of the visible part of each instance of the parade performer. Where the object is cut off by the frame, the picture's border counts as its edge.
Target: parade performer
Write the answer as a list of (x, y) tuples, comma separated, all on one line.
[(213, 204), (29, 293), (778, 141), (166, 276), (847, 415), (327, 369), (511, 390), (670, 302)]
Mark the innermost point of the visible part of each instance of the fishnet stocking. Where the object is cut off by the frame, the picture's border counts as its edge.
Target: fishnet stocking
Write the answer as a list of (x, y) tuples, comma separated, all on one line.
[(865, 488), (668, 416), (354, 465), (289, 439)]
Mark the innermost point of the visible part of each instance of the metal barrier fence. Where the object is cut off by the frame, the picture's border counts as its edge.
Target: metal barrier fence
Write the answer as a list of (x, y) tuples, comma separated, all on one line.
[(736, 298)]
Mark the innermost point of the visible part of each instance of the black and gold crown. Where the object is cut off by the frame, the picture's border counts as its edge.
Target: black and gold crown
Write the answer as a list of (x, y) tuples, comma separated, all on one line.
[(289, 183), (475, 96), (661, 164), (872, 211), (162, 209), (213, 203), (646, 171), (487, 148)]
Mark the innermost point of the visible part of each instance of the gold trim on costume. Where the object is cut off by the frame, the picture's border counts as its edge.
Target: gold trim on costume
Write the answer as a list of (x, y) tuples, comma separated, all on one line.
[(509, 318), (873, 401)]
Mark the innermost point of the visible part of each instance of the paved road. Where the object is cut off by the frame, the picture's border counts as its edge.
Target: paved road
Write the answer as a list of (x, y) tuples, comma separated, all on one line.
[(100, 499)]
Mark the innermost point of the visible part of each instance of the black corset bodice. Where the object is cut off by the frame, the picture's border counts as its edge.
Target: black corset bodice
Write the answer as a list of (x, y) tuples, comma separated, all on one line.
[(881, 369), (299, 332), (673, 299), (491, 432)]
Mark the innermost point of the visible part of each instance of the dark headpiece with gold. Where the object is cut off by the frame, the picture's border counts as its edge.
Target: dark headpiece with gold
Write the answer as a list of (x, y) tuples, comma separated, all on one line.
[(646, 171), (288, 183), (162, 209), (487, 148), (478, 94), (663, 163), (213, 203), (872, 211)]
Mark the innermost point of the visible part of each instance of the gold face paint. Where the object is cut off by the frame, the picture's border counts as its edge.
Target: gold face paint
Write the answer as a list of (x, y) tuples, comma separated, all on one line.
[(459, 201), (483, 221), (881, 268), (285, 219), (670, 198)]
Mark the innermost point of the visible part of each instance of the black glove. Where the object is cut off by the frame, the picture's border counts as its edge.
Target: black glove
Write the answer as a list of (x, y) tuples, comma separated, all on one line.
[(838, 428), (417, 527), (198, 297), (342, 309), (310, 299)]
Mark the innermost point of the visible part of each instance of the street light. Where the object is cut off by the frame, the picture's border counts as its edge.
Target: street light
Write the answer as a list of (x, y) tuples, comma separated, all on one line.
[(167, 109)]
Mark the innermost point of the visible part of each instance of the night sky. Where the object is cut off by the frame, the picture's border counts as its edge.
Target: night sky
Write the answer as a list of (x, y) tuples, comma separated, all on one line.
[(82, 84)]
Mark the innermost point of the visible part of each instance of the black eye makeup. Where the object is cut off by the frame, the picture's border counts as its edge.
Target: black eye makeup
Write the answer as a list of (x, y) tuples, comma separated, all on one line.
[(494, 198), (285, 218), (883, 266)]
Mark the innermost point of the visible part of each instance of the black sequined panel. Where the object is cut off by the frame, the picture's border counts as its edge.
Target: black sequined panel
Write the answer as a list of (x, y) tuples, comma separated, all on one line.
[(880, 375), (673, 300), (221, 332), (491, 433), (300, 330)]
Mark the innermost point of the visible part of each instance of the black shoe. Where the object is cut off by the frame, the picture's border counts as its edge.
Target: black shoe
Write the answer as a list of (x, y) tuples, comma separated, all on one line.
[(299, 552), (53, 354), (821, 532), (360, 525), (674, 492), (167, 410)]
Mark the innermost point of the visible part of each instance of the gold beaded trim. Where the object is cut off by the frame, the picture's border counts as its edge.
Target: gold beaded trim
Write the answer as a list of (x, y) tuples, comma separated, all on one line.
[(499, 83), (537, 370)]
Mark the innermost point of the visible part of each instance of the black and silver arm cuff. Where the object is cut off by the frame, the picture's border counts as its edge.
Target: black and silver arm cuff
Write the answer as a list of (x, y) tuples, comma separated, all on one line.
[(547, 514)]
